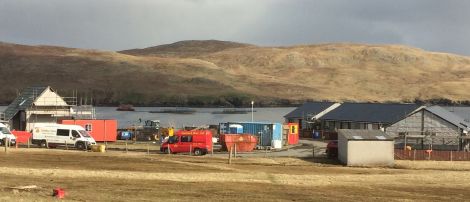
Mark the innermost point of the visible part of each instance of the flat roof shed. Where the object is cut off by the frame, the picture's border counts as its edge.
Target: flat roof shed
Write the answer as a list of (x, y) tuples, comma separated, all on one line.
[(365, 148)]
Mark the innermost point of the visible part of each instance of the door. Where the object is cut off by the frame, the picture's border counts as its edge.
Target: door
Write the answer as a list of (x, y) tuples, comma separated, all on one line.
[(293, 134), (62, 136), (185, 143), (73, 139), (266, 135)]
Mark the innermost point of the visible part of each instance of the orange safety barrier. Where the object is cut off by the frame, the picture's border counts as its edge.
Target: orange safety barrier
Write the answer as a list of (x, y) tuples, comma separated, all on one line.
[(21, 136)]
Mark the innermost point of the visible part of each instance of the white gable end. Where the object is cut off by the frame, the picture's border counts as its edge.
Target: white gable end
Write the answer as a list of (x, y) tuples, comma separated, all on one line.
[(50, 98)]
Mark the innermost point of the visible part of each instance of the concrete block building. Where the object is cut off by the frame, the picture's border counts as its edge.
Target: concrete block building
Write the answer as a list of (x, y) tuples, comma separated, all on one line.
[(365, 148)]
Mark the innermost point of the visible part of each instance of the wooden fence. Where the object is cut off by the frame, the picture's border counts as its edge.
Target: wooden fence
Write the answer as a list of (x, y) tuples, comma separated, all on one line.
[(434, 155)]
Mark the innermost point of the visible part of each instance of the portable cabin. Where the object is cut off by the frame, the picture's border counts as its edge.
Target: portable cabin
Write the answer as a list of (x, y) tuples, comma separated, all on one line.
[(100, 129), (365, 148), (268, 134)]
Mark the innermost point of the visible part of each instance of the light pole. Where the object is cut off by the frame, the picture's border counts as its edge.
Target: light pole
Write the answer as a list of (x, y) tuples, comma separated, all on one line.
[(252, 102)]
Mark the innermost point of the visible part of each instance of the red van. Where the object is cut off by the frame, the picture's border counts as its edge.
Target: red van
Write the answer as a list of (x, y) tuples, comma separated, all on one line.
[(199, 141)]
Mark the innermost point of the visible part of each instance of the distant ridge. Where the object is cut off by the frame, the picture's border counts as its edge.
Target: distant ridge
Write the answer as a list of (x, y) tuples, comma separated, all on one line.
[(186, 48), (221, 73)]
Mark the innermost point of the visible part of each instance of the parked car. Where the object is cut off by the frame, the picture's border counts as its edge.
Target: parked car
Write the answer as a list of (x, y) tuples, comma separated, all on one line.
[(198, 142), (332, 149), (61, 134), (4, 134)]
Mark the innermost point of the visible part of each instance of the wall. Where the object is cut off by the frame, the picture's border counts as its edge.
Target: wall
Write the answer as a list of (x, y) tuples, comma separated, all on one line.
[(39, 118), (444, 134), (370, 153), (432, 123), (49, 98), (342, 149)]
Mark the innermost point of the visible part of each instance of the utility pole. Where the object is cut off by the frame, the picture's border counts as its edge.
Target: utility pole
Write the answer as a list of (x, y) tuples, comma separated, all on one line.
[(252, 102)]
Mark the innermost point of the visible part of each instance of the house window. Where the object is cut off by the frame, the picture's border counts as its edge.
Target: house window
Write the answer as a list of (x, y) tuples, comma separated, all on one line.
[(88, 127), (345, 125), (186, 138), (356, 125), (63, 132)]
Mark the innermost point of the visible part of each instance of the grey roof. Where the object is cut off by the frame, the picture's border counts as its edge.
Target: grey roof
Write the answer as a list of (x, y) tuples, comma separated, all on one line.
[(462, 111), (308, 108), (24, 100), (358, 135), (370, 112), (448, 116)]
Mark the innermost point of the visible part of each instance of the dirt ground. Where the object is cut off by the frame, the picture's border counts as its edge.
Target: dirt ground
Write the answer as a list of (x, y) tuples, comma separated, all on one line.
[(135, 176)]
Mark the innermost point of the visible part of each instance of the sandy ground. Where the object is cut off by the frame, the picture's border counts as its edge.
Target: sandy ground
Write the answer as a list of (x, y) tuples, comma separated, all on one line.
[(135, 176)]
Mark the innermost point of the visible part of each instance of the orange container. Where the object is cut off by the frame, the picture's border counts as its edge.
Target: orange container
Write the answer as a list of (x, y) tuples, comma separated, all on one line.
[(244, 142), (100, 129)]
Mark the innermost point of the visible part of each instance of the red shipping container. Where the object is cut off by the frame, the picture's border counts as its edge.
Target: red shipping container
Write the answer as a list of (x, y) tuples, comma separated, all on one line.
[(21, 136), (245, 142), (293, 135), (100, 129)]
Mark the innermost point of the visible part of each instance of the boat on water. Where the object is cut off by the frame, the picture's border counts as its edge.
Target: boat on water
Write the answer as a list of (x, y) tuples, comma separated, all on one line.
[(178, 110), (233, 111), (125, 107)]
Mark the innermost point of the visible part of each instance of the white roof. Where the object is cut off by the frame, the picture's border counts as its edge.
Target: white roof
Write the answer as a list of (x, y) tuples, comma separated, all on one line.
[(61, 126)]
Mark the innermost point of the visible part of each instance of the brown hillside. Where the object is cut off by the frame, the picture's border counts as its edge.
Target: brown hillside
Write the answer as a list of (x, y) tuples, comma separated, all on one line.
[(180, 75), (188, 48)]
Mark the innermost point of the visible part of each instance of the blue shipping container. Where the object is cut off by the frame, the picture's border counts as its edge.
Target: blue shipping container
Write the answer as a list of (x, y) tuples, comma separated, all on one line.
[(266, 132)]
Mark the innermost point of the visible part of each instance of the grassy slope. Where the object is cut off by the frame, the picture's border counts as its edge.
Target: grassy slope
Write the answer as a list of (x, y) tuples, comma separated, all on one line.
[(218, 73)]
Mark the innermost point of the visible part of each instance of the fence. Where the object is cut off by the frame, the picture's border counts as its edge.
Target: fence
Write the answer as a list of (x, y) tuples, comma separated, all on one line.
[(434, 155)]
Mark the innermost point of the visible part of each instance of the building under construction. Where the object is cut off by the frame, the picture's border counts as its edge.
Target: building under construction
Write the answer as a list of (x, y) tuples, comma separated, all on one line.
[(43, 105), (433, 127)]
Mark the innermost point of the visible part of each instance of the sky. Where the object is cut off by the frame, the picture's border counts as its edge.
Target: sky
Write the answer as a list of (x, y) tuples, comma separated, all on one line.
[(434, 25)]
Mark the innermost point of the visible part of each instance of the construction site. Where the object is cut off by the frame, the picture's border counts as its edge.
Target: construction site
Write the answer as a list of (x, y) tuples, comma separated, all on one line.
[(41, 104), (401, 152)]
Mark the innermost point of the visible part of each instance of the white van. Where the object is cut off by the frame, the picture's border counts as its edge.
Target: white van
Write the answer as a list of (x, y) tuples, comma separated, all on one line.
[(61, 134), (4, 134)]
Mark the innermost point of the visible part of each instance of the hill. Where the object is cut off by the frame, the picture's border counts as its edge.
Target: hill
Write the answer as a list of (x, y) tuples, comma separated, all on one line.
[(188, 48), (202, 73)]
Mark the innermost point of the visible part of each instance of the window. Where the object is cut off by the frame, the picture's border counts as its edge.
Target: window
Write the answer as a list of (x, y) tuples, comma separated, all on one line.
[(186, 138), (84, 133), (172, 139), (4, 130), (88, 127), (75, 134), (292, 129), (63, 132)]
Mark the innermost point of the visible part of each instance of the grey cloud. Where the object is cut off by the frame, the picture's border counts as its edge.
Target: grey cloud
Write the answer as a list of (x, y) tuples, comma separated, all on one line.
[(433, 25)]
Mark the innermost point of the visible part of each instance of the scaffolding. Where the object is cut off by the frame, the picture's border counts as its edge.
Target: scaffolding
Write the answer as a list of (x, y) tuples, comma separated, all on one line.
[(428, 131), (48, 107)]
